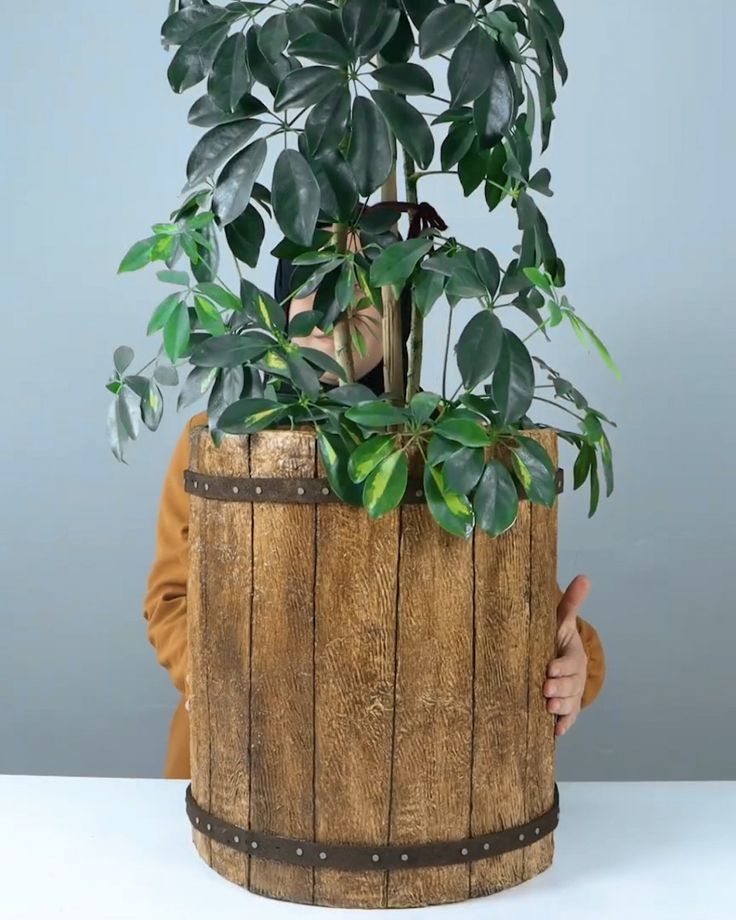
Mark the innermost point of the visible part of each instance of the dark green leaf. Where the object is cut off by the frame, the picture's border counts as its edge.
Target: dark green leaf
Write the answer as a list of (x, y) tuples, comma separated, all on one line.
[(513, 379), (458, 142), (371, 149), (407, 124), (205, 113), (273, 36), (397, 261), (122, 357), (229, 78), (295, 196), (368, 454), (245, 236), (193, 60), (198, 382), (496, 499), (306, 86), (181, 25), (219, 295), (303, 375), (327, 123), (423, 404), (494, 109), (208, 316), (404, 78), (235, 183), (463, 469), (487, 267), (337, 183), (301, 324), (479, 348), (176, 332), (451, 510), (540, 182), (322, 360), (464, 431), (439, 449), (385, 486), (217, 146), (535, 470), (152, 406), (444, 28), (376, 414), (471, 66), (230, 350), (426, 289), (334, 455), (249, 415), (322, 48)]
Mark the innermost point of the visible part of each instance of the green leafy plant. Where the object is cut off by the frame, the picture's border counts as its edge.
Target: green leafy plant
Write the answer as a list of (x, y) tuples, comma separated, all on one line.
[(341, 87)]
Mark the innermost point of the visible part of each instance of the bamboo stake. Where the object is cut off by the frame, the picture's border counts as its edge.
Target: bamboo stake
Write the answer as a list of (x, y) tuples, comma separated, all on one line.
[(416, 334), (393, 357), (342, 337)]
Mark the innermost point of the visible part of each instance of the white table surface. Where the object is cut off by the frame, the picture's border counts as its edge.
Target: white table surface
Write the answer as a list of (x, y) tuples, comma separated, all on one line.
[(121, 849)]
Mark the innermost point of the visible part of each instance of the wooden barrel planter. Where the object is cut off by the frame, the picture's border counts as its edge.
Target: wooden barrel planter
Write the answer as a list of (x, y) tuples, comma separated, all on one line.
[(368, 727)]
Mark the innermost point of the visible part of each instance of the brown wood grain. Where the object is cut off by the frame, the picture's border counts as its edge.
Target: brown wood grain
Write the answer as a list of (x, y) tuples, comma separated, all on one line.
[(367, 681), (354, 671), (227, 578), (282, 715), (199, 735), (543, 594), (500, 696), (432, 747)]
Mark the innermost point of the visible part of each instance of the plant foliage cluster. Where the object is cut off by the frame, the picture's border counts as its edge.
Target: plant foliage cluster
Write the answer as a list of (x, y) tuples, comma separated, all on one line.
[(342, 89)]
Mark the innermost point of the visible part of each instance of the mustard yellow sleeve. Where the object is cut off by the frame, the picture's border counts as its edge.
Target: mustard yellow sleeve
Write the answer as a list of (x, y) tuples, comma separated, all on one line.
[(596, 658), (165, 602)]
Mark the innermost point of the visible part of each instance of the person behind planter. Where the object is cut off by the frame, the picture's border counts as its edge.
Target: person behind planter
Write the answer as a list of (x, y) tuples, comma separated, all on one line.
[(575, 676)]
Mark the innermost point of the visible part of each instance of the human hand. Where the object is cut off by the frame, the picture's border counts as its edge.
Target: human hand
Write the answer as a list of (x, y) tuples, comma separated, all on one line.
[(568, 672)]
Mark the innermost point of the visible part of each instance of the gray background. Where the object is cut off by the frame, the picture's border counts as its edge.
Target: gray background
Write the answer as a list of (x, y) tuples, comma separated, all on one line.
[(93, 153)]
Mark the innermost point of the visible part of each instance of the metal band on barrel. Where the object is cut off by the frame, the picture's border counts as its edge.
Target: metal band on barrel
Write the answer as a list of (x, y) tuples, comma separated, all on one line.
[(348, 856), (304, 490)]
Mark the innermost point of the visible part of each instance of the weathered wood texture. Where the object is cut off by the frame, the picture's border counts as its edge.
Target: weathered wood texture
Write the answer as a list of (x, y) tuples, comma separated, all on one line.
[(367, 681)]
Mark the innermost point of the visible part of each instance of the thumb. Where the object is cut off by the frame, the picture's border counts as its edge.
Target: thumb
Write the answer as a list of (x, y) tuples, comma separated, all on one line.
[(571, 602)]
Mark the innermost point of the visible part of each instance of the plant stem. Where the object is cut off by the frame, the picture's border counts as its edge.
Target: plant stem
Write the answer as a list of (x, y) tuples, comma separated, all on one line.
[(343, 345), (393, 357), (416, 333), (564, 408), (447, 349)]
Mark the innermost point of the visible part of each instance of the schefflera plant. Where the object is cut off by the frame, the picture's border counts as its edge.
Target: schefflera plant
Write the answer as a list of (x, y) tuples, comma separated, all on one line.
[(340, 87)]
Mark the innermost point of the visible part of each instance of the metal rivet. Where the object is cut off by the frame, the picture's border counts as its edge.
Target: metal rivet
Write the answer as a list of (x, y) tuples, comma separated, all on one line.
[(325, 490), (209, 827), (419, 493), (375, 857), (464, 851), (486, 846), (323, 855), (236, 489), (206, 486), (254, 844), (299, 851), (536, 830), (196, 820), (258, 490), (404, 857), (300, 491), (236, 839), (521, 836)]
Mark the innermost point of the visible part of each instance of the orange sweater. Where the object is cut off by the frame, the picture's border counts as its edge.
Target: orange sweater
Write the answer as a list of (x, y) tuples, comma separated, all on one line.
[(165, 604)]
